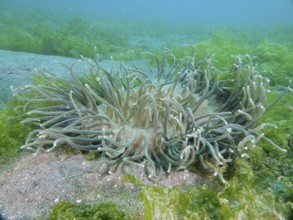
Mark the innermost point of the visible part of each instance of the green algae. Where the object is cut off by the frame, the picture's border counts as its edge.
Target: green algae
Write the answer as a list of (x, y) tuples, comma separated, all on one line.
[(44, 33), (69, 37), (275, 61), (12, 134), (238, 199), (272, 168), (248, 194), (128, 178), (67, 210), (273, 57)]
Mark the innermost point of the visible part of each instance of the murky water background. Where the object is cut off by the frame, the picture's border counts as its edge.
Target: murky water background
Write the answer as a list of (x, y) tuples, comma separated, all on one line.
[(209, 12)]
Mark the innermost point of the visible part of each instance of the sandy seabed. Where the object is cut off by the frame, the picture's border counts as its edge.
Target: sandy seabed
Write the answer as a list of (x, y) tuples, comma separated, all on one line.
[(33, 184)]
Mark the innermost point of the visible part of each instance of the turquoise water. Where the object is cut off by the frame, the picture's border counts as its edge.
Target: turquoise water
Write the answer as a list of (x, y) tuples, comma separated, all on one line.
[(209, 12)]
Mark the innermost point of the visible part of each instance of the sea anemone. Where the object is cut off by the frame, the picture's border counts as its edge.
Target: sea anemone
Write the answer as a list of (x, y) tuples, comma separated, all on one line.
[(167, 118)]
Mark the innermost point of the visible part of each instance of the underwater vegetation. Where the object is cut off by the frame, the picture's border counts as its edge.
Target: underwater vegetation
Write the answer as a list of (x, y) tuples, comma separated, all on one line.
[(12, 134), (67, 210), (271, 54), (69, 36), (242, 197), (162, 120)]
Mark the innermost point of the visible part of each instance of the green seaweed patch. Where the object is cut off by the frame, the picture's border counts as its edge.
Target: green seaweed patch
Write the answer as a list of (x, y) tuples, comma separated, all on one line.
[(90, 156), (273, 169), (275, 61), (164, 203), (12, 134), (105, 211), (238, 199), (47, 34), (279, 114), (12, 131), (128, 178)]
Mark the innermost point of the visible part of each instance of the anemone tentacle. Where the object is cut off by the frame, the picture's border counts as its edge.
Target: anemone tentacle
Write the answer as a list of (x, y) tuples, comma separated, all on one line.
[(187, 113)]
